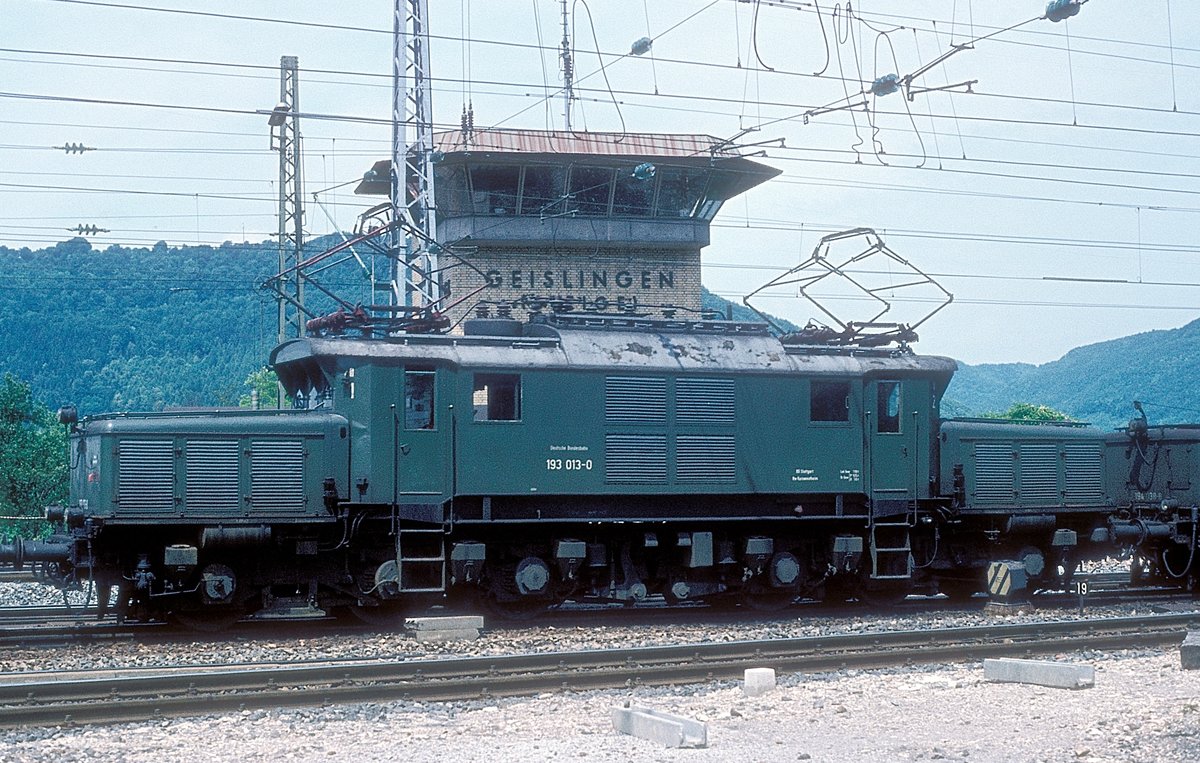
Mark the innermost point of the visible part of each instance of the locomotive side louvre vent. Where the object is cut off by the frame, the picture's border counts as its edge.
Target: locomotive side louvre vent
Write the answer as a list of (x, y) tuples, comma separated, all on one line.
[(277, 475), (704, 401), (212, 476), (1039, 473), (146, 475), (1084, 483), (635, 399), (635, 458), (994, 472), (705, 458)]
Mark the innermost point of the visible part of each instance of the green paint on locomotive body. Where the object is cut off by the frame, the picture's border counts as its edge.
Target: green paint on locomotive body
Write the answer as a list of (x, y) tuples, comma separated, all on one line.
[(629, 411), (233, 467), (688, 459), (1010, 468)]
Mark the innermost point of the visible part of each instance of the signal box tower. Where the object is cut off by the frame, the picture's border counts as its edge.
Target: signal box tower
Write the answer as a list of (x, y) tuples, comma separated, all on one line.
[(576, 221)]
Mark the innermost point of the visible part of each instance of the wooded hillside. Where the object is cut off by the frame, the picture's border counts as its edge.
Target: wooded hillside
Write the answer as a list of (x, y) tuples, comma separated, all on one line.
[(125, 329), (143, 328)]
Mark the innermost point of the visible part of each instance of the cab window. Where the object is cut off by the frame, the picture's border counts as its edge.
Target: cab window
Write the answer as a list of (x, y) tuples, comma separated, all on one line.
[(829, 401), (887, 407), (418, 399), (497, 397)]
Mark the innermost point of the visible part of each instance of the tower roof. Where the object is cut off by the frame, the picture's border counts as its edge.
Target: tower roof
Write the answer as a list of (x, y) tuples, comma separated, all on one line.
[(577, 142), (599, 147)]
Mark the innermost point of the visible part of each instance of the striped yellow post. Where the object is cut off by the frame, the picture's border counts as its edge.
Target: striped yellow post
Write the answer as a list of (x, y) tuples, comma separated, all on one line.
[(1006, 578)]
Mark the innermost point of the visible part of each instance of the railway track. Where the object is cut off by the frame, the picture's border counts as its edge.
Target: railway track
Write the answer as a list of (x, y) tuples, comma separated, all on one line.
[(125, 695), (54, 624), (49, 613), (21, 626)]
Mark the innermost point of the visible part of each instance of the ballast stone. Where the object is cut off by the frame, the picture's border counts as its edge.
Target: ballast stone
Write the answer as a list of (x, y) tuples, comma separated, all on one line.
[(656, 726), (1058, 675), (1189, 651), (434, 629), (758, 681)]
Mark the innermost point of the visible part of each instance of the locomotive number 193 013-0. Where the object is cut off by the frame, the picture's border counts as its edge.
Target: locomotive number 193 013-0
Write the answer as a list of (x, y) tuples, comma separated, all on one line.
[(568, 464)]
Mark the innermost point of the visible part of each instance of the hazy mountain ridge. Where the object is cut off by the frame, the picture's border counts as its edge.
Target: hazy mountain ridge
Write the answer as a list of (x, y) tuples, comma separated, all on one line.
[(1096, 382)]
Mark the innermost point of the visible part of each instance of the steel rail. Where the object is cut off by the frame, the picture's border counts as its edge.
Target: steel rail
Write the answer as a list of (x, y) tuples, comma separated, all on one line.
[(58, 624), (196, 692), (47, 613), (46, 634)]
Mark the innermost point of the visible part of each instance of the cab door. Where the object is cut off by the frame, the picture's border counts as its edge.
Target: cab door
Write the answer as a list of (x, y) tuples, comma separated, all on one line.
[(421, 432), (890, 435)]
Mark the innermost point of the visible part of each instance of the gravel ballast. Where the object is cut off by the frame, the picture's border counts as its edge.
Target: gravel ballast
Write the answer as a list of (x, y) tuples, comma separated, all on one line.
[(604, 630), (1143, 708)]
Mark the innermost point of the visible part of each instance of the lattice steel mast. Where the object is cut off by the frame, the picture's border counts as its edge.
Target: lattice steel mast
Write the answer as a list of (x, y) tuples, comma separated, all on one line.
[(285, 137), (568, 69), (416, 278)]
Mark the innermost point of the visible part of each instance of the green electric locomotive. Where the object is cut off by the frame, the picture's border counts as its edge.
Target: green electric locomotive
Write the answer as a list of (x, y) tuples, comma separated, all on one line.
[(521, 465)]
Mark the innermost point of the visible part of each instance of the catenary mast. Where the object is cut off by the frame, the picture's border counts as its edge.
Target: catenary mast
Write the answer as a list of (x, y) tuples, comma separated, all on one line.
[(416, 277)]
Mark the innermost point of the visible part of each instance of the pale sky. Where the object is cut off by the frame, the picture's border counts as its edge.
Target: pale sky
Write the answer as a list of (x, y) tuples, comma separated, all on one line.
[(1069, 221)]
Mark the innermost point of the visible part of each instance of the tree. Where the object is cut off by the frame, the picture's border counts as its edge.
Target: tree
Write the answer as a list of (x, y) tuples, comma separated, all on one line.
[(33, 469), (1029, 412), (266, 384)]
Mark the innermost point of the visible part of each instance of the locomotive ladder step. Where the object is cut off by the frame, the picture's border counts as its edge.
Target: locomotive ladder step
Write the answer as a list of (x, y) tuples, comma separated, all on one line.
[(419, 531), (424, 569), (440, 556), (886, 561)]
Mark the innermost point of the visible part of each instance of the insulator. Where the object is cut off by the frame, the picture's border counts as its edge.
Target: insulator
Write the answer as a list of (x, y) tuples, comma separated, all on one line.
[(568, 65), (1061, 10), (644, 171), (87, 230), (641, 46), (75, 148), (885, 85)]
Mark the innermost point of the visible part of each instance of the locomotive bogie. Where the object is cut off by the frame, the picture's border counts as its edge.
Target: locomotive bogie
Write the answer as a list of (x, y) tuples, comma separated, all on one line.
[(619, 564), (172, 508)]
